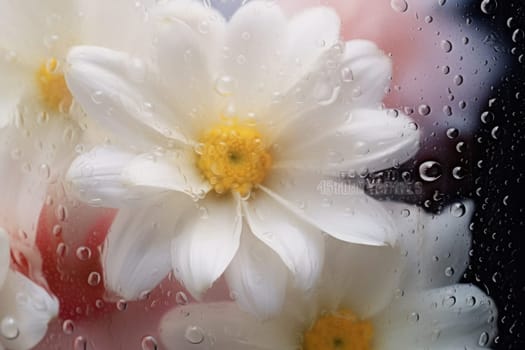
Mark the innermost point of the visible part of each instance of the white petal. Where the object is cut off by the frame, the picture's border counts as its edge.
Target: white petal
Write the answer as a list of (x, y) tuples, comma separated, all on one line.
[(339, 209), (366, 139), (309, 34), (189, 39), (257, 277), (173, 170), (254, 37), (299, 244), (96, 177), (33, 155), (4, 255), (30, 306), (342, 79), (361, 278), (30, 28), (207, 240), (120, 92), (98, 27), (367, 72), (223, 326), (11, 89), (436, 246), (455, 317), (136, 254)]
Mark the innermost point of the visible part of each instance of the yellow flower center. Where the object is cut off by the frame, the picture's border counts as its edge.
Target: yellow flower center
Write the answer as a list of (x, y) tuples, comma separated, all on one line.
[(339, 331), (232, 156), (53, 88)]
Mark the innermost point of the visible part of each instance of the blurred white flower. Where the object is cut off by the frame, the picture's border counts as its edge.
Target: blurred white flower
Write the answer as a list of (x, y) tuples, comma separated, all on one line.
[(25, 307), (368, 298), (230, 130), (40, 126)]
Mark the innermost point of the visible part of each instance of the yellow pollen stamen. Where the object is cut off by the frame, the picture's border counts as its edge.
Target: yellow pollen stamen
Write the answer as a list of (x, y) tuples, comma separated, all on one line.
[(53, 88), (233, 157), (339, 331)]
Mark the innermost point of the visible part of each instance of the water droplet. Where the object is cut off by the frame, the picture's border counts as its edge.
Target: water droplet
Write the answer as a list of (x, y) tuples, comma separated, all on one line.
[(424, 110), (83, 253), (487, 117), (194, 335), (483, 339), (458, 173), (518, 35), (347, 75), (495, 132), (450, 301), (446, 45), (449, 271), (80, 343), (224, 85), (61, 213), (399, 5), (489, 6), (430, 171), (94, 278), (9, 328), (471, 301), (122, 305), (413, 317), (181, 298), (458, 79), (452, 133), (149, 343), (68, 327), (97, 96)]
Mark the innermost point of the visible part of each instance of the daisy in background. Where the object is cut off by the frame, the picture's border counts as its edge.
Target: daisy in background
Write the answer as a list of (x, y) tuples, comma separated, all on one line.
[(379, 298), (41, 128), (229, 133), (25, 307)]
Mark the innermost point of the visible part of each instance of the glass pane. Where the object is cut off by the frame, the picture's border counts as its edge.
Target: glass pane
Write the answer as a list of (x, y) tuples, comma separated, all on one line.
[(249, 174)]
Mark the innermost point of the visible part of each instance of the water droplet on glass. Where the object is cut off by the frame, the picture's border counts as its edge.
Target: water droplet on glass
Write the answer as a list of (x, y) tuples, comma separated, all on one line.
[(80, 343), (483, 339), (68, 327), (181, 298), (224, 85), (413, 317), (149, 343), (489, 6), (452, 133), (83, 253), (446, 45), (122, 305), (458, 173), (194, 335), (449, 271), (430, 171), (399, 5), (347, 75), (94, 278), (487, 117), (9, 328), (424, 110), (450, 301), (471, 301), (458, 79)]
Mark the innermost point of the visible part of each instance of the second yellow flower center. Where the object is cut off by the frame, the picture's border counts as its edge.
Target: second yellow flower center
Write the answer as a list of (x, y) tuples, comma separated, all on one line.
[(233, 157), (53, 88), (339, 331)]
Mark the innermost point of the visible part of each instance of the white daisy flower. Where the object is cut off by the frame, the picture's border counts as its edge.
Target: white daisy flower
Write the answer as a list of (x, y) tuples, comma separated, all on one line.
[(25, 307), (39, 124), (230, 130), (368, 298)]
